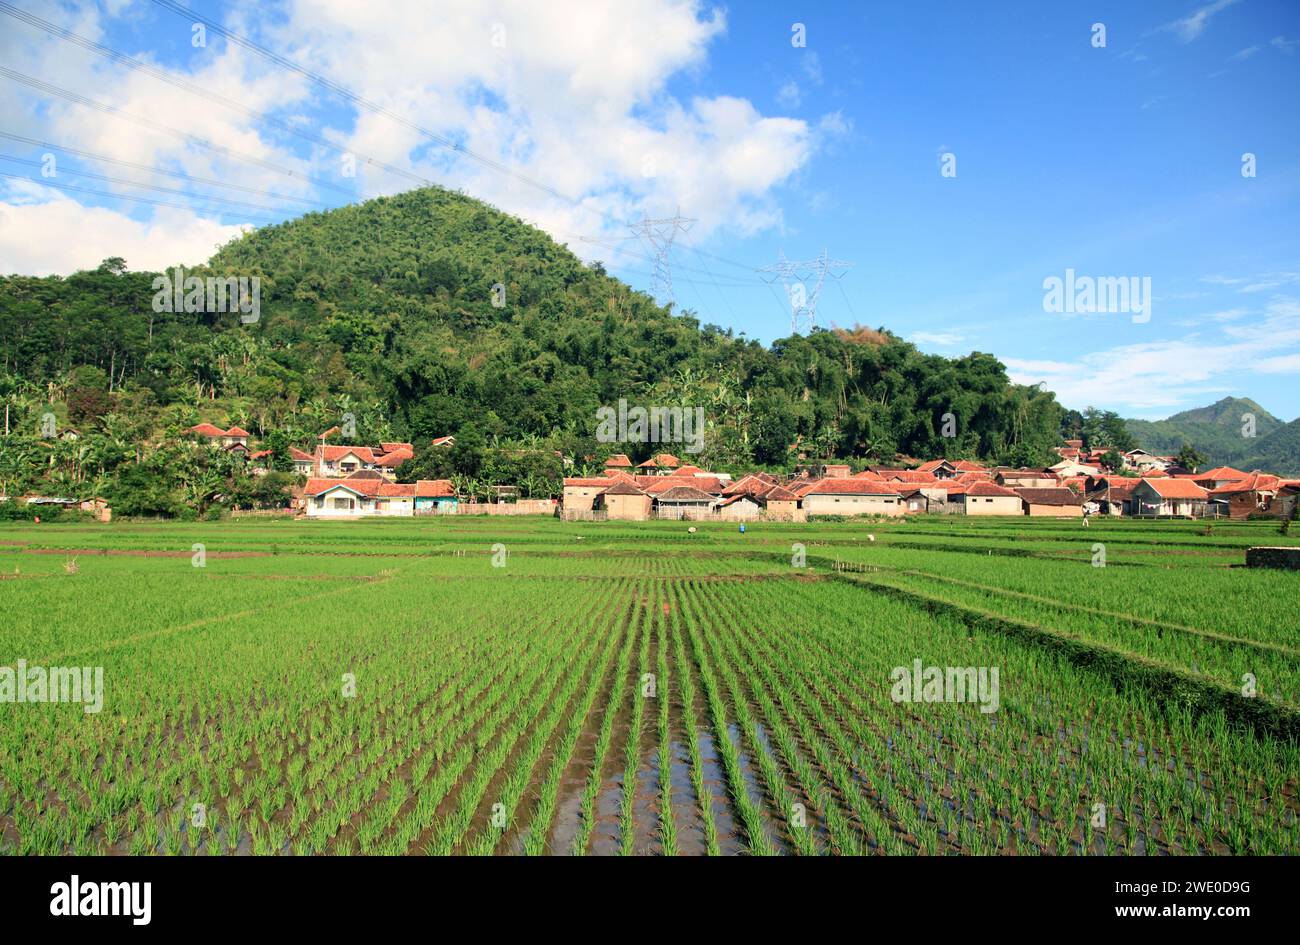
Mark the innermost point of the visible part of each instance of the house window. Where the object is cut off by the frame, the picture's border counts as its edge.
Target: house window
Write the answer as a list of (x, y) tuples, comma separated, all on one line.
[(342, 503), (348, 467)]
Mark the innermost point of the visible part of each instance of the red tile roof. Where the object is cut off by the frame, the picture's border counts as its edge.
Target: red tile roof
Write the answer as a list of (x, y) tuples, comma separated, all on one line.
[(912, 475), (1222, 472), (300, 456), (623, 487), (667, 460), (988, 489), (371, 488), (847, 486), (618, 460), (395, 458), (391, 447), (206, 429), (1176, 488), (1255, 482), (332, 453), (747, 485), (443, 440), (237, 431), (434, 489)]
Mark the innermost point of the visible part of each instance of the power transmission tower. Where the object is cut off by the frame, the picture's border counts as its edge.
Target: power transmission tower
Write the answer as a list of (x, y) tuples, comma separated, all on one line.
[(797, 278), (659, 234)]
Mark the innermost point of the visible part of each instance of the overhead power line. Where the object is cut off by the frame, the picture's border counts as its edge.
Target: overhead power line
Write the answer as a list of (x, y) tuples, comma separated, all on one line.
[(178, 175), (104, 193), (77, 98), (212, 198), (449, 143), (797, 276)]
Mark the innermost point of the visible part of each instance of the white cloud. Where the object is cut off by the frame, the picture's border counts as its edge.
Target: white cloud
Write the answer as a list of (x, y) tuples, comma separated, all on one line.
[(1193, 25), (60, 236), (1168, 373), (940, 339), (571, 94), (1282, 364), (788, 96)]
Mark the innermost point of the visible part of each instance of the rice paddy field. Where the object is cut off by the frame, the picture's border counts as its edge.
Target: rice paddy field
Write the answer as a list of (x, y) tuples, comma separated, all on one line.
[(525, 686)]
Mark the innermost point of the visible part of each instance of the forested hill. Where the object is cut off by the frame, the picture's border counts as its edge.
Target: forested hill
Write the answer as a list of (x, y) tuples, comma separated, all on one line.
[(385, 309), (1234, 431)]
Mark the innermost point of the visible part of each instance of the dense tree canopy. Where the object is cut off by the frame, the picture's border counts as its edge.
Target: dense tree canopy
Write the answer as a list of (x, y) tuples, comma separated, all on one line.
[(386, 311)]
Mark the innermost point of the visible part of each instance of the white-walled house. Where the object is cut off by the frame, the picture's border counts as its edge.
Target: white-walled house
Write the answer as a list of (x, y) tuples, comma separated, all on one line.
[(354, 498), (850, 496)]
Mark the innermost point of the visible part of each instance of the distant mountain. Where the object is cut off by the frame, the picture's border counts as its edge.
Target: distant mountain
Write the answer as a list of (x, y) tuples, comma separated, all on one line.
[(1217, 432), (1279, 452)]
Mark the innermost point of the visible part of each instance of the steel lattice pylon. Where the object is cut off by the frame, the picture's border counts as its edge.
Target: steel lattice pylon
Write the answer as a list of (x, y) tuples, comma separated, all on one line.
[(660, 235), (796, 276)]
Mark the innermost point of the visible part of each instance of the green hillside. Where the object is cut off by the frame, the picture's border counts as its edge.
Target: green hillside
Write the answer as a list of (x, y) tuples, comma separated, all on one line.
[(1214, 430), (385, 310), (1217, 432), (1279, 452)]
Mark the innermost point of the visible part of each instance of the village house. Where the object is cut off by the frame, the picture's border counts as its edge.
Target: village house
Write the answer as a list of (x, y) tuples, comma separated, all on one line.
[(987, 498), (782, 504), (739, 508), (946, 469), (435, 497), (618, 461), (1054, 502), (664, 464), (1284, 503), (624, 501), (304, 464), (850, 496), (342, 461), (914, 501), (1109, 495), (1025, 478), (1168, 496), (235, 436), (582, 492), (357, 497), (1141, 460), (1245, 497), (1070, 467), (1218, 477), (683, 502)]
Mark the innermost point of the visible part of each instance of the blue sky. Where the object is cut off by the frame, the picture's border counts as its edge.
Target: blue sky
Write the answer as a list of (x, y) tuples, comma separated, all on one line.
[(1124, 160)]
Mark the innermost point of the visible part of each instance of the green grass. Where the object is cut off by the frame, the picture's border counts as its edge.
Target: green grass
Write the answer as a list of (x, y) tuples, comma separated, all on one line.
[(500, 710)]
